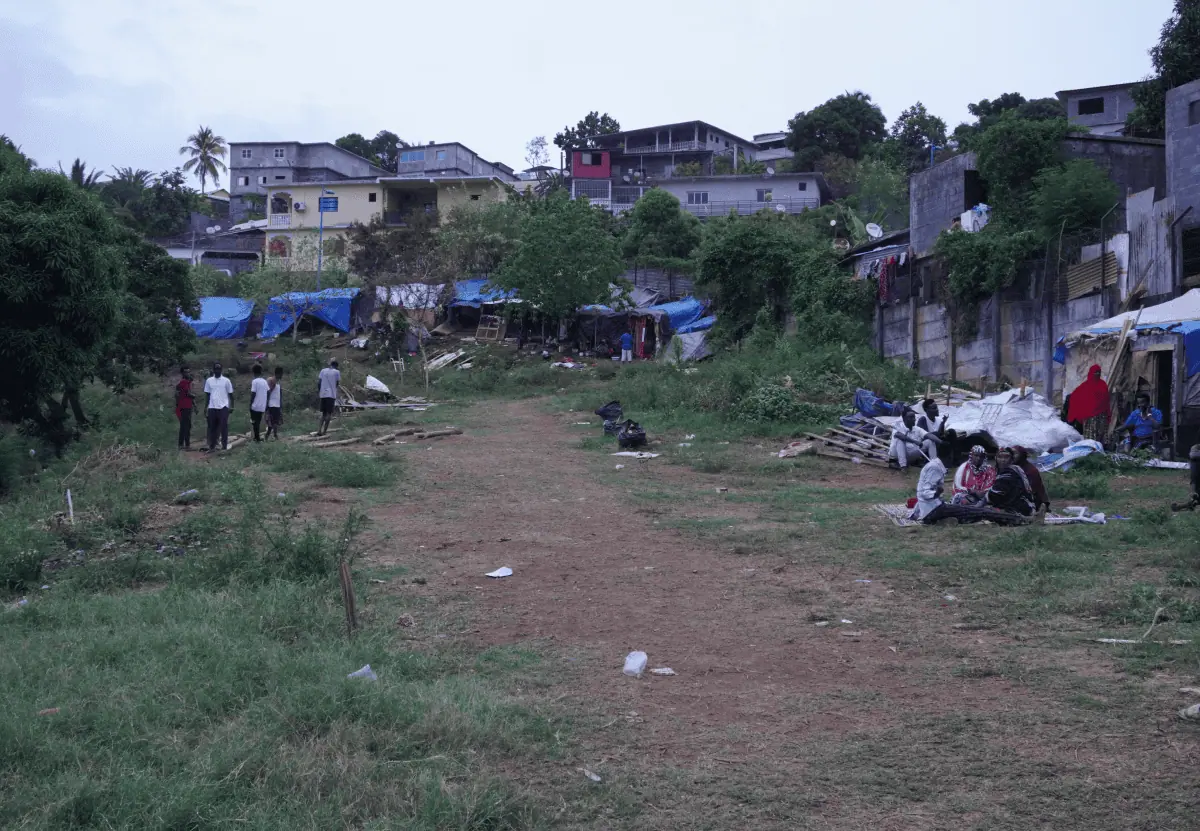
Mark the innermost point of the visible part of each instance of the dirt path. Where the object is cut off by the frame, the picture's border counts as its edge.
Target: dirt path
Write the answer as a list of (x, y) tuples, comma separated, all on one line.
[(764, 701)]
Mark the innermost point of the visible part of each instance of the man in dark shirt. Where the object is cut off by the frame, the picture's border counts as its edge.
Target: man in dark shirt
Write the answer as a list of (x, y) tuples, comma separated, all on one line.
[(1010, 492)]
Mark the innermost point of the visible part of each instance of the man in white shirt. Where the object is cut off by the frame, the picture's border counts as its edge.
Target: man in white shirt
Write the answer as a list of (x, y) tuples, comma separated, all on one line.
[(275, 403), (327, 387), (910, 443), (219, 390), (258, 400)]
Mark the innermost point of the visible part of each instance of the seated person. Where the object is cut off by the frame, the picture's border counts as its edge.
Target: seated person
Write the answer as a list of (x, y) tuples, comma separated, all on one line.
[(1041, 500), (1141, 424), (928, 420), (974, 478), (910, 443), (932, 509), (1010, 492)]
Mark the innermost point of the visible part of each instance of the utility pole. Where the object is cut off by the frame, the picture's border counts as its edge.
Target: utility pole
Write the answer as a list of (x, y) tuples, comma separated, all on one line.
[(323, 204)]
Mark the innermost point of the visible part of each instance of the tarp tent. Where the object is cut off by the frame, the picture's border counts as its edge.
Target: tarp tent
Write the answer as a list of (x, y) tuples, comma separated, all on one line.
[(679, 313), (332, 306), (221, 318), (622, 302), (410, 295), (1180, 316), (701, 325), (475, 293), (689, 347)]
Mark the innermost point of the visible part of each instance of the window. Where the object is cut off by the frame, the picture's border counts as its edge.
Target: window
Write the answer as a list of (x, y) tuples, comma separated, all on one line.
[(474, 197), (280, 178), (372, 196), (441, 155), (697, 197), (262, 180), (1194, 113), (279, 246), (591, 159), (802, 186), (763, 194), (281, 203), (244, 181), (246, 152), (412, 156), (279, 153), (1091, 106)]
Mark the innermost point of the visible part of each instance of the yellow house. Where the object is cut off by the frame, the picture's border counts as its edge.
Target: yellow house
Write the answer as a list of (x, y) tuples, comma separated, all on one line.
[(294, 217)]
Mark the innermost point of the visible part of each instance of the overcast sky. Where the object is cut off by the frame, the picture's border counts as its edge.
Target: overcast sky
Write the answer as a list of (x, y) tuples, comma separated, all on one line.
[(123, 82)]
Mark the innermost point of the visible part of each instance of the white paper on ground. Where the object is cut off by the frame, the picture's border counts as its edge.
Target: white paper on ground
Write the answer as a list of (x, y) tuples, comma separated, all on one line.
[(503, 571), (632, 454), (663, 671), (374, 383)]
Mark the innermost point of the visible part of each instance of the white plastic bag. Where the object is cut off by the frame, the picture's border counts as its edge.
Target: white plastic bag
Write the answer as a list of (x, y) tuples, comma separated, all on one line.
[(635, 664), (366, 673)]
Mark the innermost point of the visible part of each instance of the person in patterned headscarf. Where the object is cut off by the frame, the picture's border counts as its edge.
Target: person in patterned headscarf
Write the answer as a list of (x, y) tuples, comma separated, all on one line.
[(974, 478)]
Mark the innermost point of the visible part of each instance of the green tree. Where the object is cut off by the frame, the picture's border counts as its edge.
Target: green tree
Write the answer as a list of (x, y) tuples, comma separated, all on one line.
[(987, 113), (477, 240), (163, 209), (359, 145), (386, 147), (7, 144), (912, 136), (879, 193), (847, 125), (1176, 59), (1012, 152), (81, 177), (62, 278), (206, 154), (565, 257), (579, 136), (661, 234), (1071, 198), (747, 265)]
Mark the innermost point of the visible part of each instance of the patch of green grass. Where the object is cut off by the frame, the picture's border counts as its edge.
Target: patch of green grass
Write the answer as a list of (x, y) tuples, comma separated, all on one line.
[(328, 466)]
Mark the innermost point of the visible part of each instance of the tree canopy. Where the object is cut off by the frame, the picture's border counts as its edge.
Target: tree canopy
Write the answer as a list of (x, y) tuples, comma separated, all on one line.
[(383, 150), (565, 257), (592, 124), (1176, 59), (206, 156), (661, 234), (848, 125), (912, 136), (988, 113)]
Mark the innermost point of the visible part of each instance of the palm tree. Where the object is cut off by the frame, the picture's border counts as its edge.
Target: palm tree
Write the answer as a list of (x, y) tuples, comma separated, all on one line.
[(139, 178), (80, 176), (206, 152)]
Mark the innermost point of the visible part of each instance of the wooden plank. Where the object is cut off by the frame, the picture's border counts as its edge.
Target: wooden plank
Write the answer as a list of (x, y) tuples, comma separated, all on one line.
[(834, 454), (1084, 278), (847, 446), (871, 440)]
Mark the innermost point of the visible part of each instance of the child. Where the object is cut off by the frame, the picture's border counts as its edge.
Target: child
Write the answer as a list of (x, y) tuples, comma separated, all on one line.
[(275, 403), (185, 402)]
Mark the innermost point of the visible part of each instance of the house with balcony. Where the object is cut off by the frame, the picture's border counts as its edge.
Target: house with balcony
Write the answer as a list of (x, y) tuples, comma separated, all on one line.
[(293, 211), (256, 166), (772, 148)]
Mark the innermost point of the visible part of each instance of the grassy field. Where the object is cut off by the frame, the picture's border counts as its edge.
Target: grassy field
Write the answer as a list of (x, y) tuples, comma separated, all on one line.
[(191, 659)]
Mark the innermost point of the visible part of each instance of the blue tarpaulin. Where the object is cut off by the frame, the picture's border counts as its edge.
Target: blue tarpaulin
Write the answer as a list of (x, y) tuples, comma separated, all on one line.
[(700, 325), (1181, 316), (330, 305), (221, 318), (680, 313), (475, 293)]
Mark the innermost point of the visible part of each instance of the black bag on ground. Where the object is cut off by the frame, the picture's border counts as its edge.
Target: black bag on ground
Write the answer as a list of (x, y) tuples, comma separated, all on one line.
[(611, 411), (631, 435), (611, 426)]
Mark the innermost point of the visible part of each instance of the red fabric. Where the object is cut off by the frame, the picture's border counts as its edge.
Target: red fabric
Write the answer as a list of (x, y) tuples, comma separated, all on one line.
[(966, 479), (1090, 398), (183, 396)]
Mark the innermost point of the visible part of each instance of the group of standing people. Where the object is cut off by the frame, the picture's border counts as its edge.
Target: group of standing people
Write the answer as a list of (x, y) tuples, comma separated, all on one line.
[(266, 402)]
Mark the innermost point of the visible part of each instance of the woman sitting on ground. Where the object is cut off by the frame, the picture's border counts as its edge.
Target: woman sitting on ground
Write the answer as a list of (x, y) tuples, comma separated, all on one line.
[(1010, 492), (974, 478)]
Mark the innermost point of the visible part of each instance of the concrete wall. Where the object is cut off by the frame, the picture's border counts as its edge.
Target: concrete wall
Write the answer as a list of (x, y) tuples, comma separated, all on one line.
[(936, 198), (1183, 151), (452, 195), (1025, 340), (354, 205), (1133, 164), (1118, 104), (319, 162)]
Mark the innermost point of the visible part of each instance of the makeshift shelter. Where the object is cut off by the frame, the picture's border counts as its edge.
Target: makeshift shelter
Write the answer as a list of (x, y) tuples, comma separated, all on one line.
[(692, 346), (1008, 418), (221, 318), (653, 326), (1155, 350), (474, 306), (331, 306), (597, 322), (418, 302)]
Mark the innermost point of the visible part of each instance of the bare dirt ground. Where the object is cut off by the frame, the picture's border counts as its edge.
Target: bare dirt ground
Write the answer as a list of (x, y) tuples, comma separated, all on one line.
[(898, 720)]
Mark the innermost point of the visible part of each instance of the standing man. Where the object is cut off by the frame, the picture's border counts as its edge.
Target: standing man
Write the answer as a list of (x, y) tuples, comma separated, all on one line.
[(185, 402), (327, 387), (626, 348), (259, 393), (1141, 424), (275, 403), (219, 390)]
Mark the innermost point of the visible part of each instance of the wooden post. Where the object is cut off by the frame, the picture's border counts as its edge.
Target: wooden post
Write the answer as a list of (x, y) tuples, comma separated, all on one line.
[(348, 597), (914, 361), (1048, 358)]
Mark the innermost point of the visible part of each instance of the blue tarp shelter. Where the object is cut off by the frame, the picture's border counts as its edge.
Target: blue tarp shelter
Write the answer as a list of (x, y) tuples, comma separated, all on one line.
[(701, 325), (331, 306), (475, 293), (679, 313), (221, 318), (1179, 316)]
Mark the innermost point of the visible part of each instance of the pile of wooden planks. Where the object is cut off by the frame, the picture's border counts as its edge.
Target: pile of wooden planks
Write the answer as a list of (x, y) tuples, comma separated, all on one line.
[(852, 446)]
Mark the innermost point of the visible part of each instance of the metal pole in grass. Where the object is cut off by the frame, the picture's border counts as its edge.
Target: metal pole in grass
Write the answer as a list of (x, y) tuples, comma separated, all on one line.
[(348, 597)]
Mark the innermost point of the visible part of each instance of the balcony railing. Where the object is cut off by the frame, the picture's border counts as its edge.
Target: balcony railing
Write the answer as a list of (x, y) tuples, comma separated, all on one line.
[(280, 220), (746, 207), (665, 147)]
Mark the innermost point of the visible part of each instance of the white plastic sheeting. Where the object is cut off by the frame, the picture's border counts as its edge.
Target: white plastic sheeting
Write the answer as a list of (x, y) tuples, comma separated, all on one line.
[(1010, 420), (692, 346)]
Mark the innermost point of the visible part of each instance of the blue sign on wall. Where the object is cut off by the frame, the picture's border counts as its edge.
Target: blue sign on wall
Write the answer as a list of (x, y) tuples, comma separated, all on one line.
[(328, 204)]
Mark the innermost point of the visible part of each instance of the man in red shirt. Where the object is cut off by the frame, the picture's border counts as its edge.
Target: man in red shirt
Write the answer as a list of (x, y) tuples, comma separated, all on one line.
[(185, 401)]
